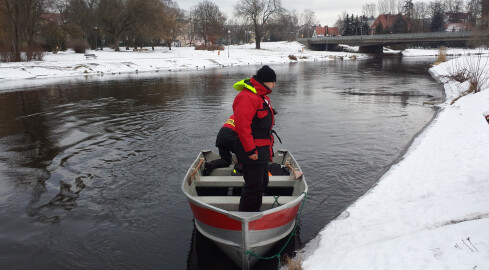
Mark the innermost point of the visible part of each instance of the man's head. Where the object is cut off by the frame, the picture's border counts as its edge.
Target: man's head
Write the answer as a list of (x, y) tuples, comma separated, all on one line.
[(267, 76)]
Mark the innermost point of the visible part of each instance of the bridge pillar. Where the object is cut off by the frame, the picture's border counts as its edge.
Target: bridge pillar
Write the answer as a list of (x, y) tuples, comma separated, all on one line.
[(371, 49)]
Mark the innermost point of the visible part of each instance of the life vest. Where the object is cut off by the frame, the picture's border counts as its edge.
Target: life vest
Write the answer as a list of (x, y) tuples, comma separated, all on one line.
[(261, 125), (230, 123)]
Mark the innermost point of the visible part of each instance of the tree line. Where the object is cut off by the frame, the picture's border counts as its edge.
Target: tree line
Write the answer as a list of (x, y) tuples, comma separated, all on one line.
[(409, 16), (30, 27), (53, 25)]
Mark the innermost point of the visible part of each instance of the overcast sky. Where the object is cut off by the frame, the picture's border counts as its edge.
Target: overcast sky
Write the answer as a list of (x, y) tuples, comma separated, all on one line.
[(326, 11)]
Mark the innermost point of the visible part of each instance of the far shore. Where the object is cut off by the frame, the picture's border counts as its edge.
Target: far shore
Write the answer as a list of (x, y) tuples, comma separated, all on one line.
[(69, 65)]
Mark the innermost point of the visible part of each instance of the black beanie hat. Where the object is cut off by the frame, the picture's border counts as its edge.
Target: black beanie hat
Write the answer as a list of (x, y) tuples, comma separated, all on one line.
[(266, 74)]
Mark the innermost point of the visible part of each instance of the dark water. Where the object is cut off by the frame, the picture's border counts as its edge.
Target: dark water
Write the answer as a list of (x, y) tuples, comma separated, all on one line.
[(90, 172)]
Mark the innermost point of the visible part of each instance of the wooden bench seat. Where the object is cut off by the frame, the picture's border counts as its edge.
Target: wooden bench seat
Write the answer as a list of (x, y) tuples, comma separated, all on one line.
[(238, 181), (234, 200)]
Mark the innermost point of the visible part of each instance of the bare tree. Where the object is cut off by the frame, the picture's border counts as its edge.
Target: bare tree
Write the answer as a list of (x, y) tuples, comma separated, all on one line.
[(258, 12), (147, 19), (173, 23), (340, 22), (421, 10), (392, 6), (22, 19), (369, 10), (208, 20), (453, 6), (383, 6), (408, 9), (188, 28), (308, 20), (122, 17), (485, 15), (437, 13), (474, 9), (82, 20), (283, 26), (116, 19), (399, 6)]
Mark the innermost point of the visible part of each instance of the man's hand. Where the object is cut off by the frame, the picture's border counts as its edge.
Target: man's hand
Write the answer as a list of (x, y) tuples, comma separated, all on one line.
[(254, 156)]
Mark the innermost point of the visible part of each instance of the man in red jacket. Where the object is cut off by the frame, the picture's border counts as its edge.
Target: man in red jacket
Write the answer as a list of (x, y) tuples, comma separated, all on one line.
[(254, 120)]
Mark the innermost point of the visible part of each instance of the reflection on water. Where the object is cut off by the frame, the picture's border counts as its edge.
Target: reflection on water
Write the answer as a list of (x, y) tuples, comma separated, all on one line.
[(90, 173)]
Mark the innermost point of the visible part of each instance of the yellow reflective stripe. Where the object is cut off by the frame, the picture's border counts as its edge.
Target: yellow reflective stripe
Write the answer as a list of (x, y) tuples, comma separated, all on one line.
[(230, 122)]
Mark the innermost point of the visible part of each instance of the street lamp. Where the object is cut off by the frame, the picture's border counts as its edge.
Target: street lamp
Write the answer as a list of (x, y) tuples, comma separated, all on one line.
[(229, 32), (96, 37)]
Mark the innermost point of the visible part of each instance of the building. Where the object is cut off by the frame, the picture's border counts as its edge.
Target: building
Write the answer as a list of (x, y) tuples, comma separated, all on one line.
[(386, 23), (320, 31), (457, 17), (456, 27)]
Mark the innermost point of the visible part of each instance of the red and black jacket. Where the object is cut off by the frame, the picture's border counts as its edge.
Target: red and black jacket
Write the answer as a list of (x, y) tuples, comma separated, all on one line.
[(253, 115)]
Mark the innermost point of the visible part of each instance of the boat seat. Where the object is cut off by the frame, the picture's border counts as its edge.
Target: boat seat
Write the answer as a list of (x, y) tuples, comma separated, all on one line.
[(234, 200), (237, 181)]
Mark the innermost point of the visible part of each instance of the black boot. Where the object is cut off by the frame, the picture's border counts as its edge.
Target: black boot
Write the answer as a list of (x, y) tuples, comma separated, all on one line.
[(207, 169)]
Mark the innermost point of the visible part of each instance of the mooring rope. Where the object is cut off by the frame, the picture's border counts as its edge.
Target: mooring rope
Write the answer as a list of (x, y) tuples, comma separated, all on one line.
[(293, 233), (276, 201)]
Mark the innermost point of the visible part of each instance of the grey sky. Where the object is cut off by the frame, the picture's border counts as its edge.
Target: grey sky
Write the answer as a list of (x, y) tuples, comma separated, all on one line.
[(327, 11)]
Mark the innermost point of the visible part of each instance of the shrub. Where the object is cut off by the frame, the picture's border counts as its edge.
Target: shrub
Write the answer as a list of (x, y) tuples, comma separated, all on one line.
[(210, 47), (442, 55), (6, 53), (471, 69), (34, 52), (293, 263), (78, 45)]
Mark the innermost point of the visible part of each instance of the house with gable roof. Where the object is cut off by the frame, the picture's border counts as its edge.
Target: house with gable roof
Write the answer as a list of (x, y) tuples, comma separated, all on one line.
[(458, 21), (325, 31), (386, 23)]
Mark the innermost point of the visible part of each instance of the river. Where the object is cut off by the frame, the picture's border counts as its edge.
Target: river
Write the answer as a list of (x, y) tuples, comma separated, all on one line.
[(90, 171)]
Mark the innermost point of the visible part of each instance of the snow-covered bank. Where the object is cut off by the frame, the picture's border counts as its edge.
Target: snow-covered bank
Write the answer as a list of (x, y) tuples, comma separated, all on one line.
[(429, 211), (449, 52), (70, 66), (109, 62)]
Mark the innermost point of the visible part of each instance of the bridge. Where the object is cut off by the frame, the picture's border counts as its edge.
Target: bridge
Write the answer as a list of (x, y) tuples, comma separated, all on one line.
[(375, 43)]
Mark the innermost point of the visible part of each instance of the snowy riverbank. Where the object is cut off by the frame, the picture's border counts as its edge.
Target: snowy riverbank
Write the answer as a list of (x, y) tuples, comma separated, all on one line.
[(70, 66), (429, 211), (109, 63)]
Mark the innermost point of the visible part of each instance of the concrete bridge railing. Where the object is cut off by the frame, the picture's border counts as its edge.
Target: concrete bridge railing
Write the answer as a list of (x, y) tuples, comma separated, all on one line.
[(385, 39)]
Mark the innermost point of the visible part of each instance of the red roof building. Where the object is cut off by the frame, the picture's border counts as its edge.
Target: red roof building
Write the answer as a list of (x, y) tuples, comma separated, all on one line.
[(458, 17), (387, 22), (326, 31), (52, 17)]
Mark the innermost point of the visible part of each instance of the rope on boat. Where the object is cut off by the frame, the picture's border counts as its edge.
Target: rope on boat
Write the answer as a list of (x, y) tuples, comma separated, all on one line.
[(275, 203), (293, 233)]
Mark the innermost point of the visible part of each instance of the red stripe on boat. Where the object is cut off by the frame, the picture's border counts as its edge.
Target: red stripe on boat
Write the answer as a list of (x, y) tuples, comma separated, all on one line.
[(222, 221), (215, 219), (274, 220)]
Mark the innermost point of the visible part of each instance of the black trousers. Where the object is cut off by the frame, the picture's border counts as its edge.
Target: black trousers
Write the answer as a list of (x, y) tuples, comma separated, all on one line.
[(225, 142), (256, 181)]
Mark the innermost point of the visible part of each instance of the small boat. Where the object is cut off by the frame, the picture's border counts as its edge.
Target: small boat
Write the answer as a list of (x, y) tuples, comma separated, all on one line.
[(244, 236)]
